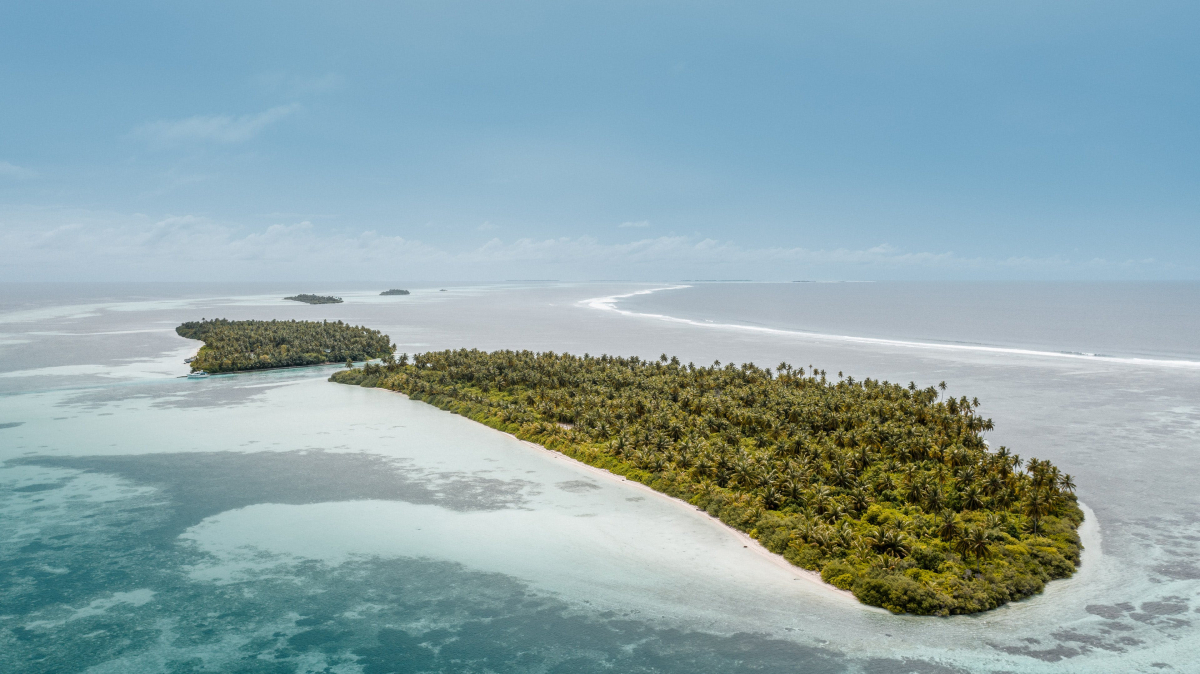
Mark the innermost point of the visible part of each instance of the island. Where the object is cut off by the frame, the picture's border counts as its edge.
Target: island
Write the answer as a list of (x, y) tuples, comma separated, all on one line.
[(235, 346), (888, 491), (315, 299), (395, 292)]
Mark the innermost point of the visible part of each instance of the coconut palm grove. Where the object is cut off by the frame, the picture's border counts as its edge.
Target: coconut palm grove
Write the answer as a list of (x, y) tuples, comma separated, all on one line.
[(889, 491), (232, 346)]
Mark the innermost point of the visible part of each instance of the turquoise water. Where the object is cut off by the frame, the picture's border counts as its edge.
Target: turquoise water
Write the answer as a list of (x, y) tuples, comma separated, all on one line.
[(274, 522)]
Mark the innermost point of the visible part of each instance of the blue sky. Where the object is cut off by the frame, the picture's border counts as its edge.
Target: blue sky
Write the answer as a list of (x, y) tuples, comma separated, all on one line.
[(650, 140)]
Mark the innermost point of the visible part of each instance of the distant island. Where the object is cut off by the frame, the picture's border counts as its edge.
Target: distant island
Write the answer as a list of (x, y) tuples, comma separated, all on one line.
[(395, 292), (233, 346), (888, 491), (315, 299)]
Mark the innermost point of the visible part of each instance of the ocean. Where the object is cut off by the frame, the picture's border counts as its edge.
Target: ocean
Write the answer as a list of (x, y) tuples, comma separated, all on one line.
[(275, 522)]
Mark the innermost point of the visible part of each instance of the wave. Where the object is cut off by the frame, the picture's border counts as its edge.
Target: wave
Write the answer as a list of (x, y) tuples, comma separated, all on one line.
[(609, 303)]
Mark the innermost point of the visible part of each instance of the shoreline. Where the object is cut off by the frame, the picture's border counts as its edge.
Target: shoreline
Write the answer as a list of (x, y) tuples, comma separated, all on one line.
[(747, 542), (267, 369), (262, 369), (745, 539), (1089, 536), (1089, 530)]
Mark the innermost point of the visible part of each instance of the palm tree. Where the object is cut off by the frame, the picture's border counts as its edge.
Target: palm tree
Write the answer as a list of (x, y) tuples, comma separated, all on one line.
[(1066, 484), (890, 541), (972, 499), (885, 483), (846, 536), (1035, 508), (834, 510), (916, 488), (993, 484), (804, 530), (975, 542), (860, 499), (819, 497), (935, 498), (947, 526), (862, 549), (792, 487), (745, 472), (772, 497)]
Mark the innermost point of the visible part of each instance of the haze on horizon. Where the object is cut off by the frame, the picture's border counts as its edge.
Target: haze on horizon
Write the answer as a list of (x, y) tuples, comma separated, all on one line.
[(647, 141)]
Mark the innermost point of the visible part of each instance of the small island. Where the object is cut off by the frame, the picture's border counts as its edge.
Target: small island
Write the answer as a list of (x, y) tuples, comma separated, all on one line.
[(888, 491), (235, 346), (395, 292), (315, 299)]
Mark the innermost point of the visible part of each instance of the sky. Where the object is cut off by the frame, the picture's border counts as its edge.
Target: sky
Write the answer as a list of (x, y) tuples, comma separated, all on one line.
[(488, 141)]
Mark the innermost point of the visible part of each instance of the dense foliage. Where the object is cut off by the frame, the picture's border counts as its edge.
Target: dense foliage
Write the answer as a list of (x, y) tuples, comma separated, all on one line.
[(230, 346), (394, 291), (315, 299), (889, 491)]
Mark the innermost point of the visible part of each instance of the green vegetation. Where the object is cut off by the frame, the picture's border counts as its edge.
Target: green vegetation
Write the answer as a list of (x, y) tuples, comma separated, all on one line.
[(230, 346), (394, 291), (315, 299), (888, 491)]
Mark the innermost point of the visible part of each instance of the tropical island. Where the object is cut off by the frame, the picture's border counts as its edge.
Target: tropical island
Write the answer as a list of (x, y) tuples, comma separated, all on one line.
[(315, 299), (233, 346), (394, 291), (888, 491)]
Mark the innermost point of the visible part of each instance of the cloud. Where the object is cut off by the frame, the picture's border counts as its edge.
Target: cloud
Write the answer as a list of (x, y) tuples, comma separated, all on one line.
[(487, 226), (87, 246), (105, 246), (682, 252), (639, 223), (14, 172), (214, 128)]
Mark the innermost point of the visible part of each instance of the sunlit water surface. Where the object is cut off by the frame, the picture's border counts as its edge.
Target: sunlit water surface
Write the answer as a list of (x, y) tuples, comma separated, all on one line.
[(274, 522)]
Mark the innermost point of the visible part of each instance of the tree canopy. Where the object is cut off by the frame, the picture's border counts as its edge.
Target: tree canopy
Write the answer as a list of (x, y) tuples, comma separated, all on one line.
[(230, 346), (315, 299), (889, 491)]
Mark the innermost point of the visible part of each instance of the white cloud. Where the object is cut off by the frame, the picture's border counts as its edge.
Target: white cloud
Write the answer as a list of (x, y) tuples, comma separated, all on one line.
[(14, 172), (639, 223), (214, 128), (487, 226), (83, 246)]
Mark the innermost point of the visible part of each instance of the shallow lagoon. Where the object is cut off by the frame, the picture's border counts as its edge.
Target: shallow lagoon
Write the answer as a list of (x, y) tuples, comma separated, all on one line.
[(275, 522)]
